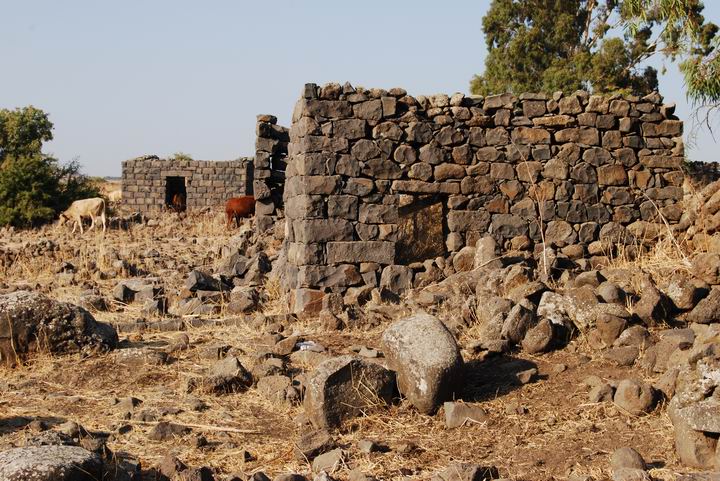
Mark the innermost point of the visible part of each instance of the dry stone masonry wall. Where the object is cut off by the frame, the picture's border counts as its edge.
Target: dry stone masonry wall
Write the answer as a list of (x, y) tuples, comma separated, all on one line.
[(146, 180), (271, 149), (570, 168)]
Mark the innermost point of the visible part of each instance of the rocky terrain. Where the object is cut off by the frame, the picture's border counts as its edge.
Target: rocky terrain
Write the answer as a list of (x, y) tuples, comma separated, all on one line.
[(164, 350)]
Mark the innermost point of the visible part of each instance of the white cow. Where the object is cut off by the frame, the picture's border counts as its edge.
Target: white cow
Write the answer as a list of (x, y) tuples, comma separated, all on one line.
[(114, 196), (80, 209)]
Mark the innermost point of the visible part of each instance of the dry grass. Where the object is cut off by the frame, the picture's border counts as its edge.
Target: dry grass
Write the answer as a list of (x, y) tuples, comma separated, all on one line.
[(559, 433), (659, 252)]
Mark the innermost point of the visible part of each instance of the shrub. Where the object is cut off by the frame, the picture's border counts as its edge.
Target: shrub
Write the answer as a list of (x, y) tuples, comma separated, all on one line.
[(34, 187), (29, 189)]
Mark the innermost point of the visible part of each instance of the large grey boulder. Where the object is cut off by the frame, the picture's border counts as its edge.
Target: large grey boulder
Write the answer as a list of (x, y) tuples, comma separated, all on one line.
[(50, 463), (345, 387), (33, 322), (426, 358)]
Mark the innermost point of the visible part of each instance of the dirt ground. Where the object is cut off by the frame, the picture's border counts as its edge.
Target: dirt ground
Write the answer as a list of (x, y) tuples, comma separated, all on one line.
[(543, 430)]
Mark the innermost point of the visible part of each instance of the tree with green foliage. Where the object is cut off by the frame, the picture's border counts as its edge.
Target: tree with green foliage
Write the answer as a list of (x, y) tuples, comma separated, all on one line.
[(34, 187), (549, 45), (684, 35), (181, 156), (23, 131)]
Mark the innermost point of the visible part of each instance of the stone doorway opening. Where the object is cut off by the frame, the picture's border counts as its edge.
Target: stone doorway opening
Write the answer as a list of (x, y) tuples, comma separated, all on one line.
[(421, 229), (175, 193)]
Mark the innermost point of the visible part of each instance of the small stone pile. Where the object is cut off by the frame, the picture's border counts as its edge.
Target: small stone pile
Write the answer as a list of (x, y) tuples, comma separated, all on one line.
[(149, 291), (11, 252), (235, 284)]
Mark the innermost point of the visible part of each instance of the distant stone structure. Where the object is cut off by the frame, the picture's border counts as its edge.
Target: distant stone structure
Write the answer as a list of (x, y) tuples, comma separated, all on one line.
[(364, 165), (149, 182)]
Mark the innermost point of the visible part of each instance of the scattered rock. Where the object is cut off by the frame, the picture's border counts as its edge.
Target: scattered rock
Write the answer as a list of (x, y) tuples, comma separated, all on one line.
[(610, 327), (666, 383), (603, 392), (466, 472), (164, 431), (637, 336), (611, 293), (225, 376), (170, 466), (51, 438), (458, 414), (275, 387), (695, 410), (627, 458), (540, 338), (694, 448), (517, 323), (367, 446), (634, 397), (630, 474), (329, 462), (622, 356), (289, 477), (527, 376), (138, 357), (708, 309), (685, 292), (344, 387)]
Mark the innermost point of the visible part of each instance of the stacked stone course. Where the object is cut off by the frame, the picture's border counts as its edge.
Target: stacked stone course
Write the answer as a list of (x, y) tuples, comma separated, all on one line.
[(573, 168), (271, 149), (207, 183)]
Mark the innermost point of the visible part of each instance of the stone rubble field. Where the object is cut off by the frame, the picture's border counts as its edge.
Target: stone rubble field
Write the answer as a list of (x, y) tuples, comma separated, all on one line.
[(164, 351)]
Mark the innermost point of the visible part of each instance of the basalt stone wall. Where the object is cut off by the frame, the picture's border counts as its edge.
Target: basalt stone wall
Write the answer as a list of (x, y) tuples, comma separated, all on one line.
[(271, 150), (207, 183), (576, 168)]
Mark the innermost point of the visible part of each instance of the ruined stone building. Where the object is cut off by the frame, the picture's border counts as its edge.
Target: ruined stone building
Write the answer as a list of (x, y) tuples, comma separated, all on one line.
[(378, 182), (372, 184), (150, 183)]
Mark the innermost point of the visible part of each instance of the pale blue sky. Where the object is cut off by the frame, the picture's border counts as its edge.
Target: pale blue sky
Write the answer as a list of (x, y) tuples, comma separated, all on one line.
[(122, 79)]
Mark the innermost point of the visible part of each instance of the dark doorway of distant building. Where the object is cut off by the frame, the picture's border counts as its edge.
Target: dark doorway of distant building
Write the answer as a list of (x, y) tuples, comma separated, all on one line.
[(175, 193)]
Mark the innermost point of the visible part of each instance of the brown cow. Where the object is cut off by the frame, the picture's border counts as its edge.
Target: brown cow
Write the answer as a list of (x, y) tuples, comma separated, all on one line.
[(237, 208), (178, 203)]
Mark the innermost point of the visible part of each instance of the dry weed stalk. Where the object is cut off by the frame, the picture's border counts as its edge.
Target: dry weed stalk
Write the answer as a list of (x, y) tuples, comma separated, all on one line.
[(534, 194)]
